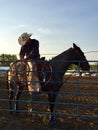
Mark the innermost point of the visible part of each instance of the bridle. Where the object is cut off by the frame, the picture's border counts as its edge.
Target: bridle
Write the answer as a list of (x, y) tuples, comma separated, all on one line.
[(15, 71)]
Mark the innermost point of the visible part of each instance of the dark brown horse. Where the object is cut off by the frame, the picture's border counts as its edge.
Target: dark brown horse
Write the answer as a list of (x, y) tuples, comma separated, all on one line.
[(51, 75)]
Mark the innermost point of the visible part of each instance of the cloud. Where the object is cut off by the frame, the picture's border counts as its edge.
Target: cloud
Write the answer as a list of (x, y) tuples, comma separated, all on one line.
[(18, 26), (43, 31), (23, 25)]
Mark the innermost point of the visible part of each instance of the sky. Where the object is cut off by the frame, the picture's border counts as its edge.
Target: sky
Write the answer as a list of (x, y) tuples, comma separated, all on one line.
[(55, 23)]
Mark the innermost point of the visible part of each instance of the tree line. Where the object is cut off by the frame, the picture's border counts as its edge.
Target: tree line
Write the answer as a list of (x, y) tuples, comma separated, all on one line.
[(6, 59), (92, 66)]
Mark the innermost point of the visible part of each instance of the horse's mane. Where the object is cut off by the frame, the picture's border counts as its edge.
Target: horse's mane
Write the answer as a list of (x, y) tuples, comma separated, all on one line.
[(59, 56)]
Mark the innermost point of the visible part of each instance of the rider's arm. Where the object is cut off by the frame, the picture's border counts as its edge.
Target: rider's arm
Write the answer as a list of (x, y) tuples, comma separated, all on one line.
[(34, 51), (22, 53)]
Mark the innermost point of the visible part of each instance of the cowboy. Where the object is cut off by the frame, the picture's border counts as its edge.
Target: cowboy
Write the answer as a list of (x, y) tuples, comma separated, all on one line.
[(29, 47), (30, 50)]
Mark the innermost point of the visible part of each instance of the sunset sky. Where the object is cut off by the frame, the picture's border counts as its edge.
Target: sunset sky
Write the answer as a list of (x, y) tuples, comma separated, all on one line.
[(55, 23)]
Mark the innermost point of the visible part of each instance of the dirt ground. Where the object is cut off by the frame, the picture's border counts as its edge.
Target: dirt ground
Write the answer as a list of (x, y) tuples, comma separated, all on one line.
[(23, 121)]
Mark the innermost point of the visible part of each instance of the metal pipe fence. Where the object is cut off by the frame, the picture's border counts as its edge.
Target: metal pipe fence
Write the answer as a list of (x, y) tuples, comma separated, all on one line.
[(78, 96)]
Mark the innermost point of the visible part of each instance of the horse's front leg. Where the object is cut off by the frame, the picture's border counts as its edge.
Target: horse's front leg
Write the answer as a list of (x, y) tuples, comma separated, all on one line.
[(10, 93), (16, 98), (16, 106), (51, 99), (13, 102)]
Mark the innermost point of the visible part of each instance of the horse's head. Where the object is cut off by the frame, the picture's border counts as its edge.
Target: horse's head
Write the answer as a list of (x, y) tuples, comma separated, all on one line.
[(79, 55), (19, 71), (25, 73)]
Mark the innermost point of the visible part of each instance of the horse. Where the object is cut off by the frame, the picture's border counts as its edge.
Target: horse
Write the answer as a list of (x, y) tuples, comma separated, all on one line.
[(54, 70)]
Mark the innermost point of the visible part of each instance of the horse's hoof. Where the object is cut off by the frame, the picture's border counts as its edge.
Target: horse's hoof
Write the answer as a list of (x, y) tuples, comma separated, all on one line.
[(36, 93), (52, 122)]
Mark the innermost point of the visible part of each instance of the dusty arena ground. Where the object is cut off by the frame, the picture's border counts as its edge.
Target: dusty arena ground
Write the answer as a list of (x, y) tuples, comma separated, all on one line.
[(23, 121)]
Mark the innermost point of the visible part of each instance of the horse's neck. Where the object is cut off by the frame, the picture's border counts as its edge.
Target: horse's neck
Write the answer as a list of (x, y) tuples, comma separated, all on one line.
[(63, 61)]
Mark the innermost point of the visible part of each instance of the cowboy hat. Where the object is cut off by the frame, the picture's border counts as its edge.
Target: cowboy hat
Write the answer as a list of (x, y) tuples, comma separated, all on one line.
[(23, 38)]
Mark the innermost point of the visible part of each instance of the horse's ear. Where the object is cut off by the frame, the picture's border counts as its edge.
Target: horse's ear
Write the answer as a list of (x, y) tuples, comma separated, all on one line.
[(75, 46)]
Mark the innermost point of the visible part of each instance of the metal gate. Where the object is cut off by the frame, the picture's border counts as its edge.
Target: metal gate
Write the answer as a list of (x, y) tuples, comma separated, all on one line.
[(77, 97)]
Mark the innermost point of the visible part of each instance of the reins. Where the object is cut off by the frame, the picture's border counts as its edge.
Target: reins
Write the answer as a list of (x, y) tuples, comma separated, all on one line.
[(44, 71), (65, 80)]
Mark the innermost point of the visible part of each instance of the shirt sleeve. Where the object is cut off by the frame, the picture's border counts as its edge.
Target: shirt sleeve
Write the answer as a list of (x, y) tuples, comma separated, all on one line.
[(22, 52)]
